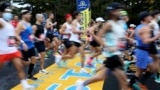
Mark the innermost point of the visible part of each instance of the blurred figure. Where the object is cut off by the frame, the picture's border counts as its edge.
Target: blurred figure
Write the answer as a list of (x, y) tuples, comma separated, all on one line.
[(49, 35), (93, 43), (38, 30), (15, 21), (113, 31), (125, 18), (156, 29), (145, 48), (8, 49), (25, 32)]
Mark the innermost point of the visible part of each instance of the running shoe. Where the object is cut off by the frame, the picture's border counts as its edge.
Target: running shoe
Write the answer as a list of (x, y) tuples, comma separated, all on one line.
[(79, 85), (64, 64), (157, 80), (29, 87), (43, 71), (58, 60), (93, 71), (32, 77), (89, 61), (84, 71)]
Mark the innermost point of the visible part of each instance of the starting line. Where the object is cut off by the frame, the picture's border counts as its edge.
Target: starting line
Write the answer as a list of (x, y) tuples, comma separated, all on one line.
[(62, 78)]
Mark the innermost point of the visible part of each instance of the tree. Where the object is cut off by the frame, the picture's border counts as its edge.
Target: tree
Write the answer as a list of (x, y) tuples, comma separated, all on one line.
[(61, 7)]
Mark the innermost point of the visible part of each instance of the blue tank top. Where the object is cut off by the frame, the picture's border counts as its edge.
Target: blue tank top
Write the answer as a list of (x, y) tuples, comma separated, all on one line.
[(25, 36), (139, 42)]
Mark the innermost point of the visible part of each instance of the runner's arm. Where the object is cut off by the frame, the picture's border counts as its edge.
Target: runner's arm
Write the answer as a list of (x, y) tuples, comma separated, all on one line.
[(145, 35), (62, 30), (18, 30), (74, 28), (101, 33), (48, 24), (34, 27)]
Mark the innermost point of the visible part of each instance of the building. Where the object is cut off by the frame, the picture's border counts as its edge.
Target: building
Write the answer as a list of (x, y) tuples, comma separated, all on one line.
[(19, 4)]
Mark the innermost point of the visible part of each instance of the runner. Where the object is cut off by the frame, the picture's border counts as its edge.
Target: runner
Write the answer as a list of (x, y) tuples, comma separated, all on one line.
[(15, 21), (87, 42), (156, 18), (50, 27), (113, 31), (8, 50), (39, 43), (24, 30), (76, 43), (144, 39), (66, 33), (94, 44)]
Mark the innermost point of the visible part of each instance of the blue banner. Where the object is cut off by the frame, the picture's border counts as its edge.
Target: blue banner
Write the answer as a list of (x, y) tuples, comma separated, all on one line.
[(82, 5)]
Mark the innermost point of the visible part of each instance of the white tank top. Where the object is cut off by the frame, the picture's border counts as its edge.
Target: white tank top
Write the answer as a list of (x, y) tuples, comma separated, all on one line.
[(76, 37), (155, 27), (112, 38), (67, 30), (7, 38)]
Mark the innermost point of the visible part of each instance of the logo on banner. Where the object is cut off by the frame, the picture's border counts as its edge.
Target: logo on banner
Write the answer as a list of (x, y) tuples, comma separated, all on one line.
[(83, 3)]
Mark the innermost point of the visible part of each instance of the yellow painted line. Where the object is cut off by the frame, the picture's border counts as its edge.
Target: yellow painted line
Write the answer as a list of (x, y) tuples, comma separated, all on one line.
[(55, 78)]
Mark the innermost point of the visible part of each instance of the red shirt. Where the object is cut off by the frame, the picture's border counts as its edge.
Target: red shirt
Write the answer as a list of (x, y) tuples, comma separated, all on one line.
[(14, 23)]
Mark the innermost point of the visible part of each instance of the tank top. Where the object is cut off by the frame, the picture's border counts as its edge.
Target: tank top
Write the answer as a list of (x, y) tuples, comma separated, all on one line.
[(155, 27), (40, 31), (7, 38), (112, 38), (67, 30), (27, 35), (139, 42), (76, 37)]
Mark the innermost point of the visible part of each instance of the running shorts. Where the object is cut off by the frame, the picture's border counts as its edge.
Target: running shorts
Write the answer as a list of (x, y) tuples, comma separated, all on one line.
[(67, 43), (76, 44), (143, 58), (6, 57), (28, 54), (153, 49), (40, 46), (94, 43), (113, 62)]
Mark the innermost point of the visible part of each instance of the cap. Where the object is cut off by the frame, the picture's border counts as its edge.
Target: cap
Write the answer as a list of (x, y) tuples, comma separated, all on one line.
[(155, 12), (124, 13), (143, 15), (68, 16), (100, 19), (132, 25), (114, 6), (25, 12)]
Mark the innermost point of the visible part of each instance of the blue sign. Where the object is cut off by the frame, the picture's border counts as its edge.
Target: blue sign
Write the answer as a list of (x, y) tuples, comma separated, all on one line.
[(82, 5)]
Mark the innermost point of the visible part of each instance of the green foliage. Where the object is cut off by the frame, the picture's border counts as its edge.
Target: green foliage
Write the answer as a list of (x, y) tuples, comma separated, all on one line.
[(61, 7)]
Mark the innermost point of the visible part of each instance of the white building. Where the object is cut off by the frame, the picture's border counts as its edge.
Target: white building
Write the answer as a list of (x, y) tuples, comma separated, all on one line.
[(17, 4)]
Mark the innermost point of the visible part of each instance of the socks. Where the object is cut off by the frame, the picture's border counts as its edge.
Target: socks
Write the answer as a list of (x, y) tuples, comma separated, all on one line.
[(31, 66), (133, 80), (24, 83)]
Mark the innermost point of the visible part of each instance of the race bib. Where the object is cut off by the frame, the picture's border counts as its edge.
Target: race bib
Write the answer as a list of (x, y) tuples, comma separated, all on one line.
[(31, 37), (42, 36), (11, 41), (122, 44)]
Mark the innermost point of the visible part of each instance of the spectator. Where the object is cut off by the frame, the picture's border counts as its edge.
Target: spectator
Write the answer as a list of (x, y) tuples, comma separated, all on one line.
[(15, 21)]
